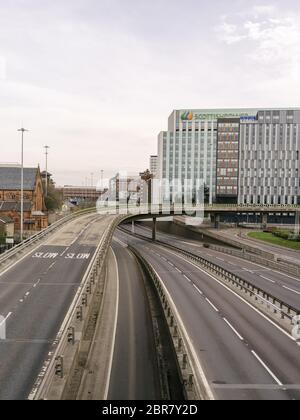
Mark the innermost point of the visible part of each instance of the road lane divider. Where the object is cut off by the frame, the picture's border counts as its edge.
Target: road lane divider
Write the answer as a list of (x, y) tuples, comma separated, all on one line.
[(276, 309)]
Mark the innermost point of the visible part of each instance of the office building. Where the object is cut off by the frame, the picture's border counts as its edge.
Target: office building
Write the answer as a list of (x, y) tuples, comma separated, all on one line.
[(241, 155), (269, 158), (153, 165), (188, 151)]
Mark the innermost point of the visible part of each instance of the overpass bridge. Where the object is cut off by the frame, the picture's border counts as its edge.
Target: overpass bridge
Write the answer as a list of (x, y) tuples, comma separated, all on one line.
[(214, 211), (59, 278)]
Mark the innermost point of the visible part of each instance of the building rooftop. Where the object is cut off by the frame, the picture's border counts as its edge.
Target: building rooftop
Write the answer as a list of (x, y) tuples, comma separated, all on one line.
[(5, 220), (14, 206), (10, 178)]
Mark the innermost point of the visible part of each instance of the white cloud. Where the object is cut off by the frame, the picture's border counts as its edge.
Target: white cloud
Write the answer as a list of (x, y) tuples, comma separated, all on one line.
[(267, 37)]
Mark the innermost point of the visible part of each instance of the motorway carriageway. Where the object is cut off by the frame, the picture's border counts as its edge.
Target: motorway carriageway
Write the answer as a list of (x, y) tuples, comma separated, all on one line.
[(284, 286), (134, 374), (243, 354), (35, 295)]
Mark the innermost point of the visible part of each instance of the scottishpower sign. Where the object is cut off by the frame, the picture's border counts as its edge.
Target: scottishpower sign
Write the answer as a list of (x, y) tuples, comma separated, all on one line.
[(200, 116)]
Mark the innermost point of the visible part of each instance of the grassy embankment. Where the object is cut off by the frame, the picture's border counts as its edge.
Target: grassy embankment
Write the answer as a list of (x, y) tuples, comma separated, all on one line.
[(271, 239)]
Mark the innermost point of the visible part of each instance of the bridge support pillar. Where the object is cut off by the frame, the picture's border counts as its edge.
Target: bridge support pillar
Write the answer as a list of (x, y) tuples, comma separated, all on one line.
[(154, 229), (217, 219), (133, 227)]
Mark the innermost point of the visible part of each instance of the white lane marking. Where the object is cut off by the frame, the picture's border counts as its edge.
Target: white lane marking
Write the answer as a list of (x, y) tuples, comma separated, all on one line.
[(111, 357), (249, 271), (198, 368), (212, 305), (6, 318), (188, 279), (27, 294), (220, 259), (234, 330), (37, 283), (267, 368), (198, 290), (291, 290), (235, 294), (171, 264), (228, 262), (286, 275), (119, 242), (177, 269), (266, 278)]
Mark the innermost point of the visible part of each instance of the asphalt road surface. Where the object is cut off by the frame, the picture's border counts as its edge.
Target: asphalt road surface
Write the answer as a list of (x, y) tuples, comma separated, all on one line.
[(134, 373), (244, 355), (35, 295), (284, 286)]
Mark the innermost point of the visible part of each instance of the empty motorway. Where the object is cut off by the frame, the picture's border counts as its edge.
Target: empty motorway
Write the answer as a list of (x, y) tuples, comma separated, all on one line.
[(244, 355), (284, 286), (134, 374)]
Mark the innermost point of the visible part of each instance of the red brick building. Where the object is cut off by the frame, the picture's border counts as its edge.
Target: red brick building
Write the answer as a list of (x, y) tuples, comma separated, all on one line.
[(35, 217)]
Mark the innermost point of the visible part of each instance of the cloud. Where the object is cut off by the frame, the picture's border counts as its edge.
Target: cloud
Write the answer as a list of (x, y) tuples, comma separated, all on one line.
[(267, 37)]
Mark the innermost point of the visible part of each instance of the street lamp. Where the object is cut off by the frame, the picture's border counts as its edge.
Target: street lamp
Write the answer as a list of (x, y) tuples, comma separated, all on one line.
[(46, 153), (22, 130)]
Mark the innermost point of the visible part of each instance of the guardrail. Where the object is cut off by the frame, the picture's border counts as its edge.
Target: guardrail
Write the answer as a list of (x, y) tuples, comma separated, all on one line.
[(41, 235), (278, 306), (71, 347), (195, 386)]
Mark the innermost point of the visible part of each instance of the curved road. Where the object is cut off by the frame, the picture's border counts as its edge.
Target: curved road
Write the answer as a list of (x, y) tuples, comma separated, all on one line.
[(244, 355), (134, 373)]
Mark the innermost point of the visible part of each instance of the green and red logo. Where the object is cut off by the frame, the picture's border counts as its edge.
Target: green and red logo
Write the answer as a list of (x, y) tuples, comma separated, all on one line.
[(187, 116)]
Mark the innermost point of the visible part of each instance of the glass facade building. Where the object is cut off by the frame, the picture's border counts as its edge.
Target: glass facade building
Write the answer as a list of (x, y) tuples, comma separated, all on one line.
[(188, 150)]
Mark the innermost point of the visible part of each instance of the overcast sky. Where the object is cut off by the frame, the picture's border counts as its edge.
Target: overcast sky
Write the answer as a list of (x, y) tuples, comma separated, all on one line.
[(97, 79)]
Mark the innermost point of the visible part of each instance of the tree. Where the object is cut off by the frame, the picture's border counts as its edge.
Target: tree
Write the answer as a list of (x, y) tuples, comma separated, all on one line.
[(54, 200)]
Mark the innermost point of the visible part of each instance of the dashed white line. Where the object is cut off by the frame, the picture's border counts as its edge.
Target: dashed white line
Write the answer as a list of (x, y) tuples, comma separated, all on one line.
[(238, 296), (220, 259), (188, 279), (291, 290), (198, 290), (234, 330), (211, 304), (266, 278), (177, 269), (267, 368)]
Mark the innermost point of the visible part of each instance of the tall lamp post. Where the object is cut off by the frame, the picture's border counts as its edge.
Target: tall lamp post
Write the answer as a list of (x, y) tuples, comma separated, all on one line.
[(22, 130), (46, 180)]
